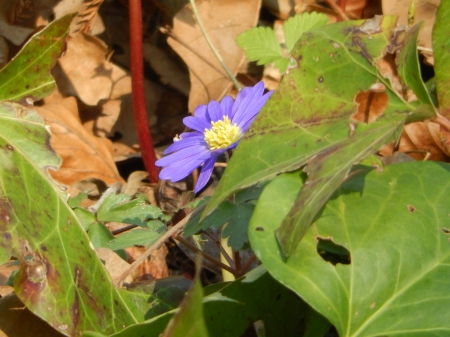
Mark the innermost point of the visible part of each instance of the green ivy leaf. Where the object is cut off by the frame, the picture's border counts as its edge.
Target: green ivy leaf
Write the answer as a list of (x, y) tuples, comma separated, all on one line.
[(395, 226), (27, 75), (308, 119), (60, 279)]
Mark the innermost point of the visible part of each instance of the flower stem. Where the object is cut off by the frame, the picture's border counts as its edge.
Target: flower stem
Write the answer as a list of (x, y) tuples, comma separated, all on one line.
[(138, 95), (210, 44)]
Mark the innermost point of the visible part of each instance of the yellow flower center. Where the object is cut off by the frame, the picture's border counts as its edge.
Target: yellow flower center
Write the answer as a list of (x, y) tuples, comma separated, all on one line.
[(222, 134)]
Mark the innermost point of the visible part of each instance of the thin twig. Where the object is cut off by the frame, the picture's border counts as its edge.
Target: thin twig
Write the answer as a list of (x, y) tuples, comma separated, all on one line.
[(205, 255), (338, 10), (171, 232), (138, 94), (210, 44)]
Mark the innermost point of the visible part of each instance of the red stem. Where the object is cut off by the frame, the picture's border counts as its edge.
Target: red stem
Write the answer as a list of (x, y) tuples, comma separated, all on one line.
[(138, 95)]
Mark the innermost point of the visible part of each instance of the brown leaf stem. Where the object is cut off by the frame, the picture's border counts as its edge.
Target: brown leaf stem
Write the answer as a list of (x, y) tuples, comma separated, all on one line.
[(138, 95)]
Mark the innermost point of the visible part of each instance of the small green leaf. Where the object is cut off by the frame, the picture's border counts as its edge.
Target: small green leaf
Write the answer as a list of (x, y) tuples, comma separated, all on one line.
[(27, 75), (85, 217), (261, 44), (296, 25), (123, 208), (236, 229), (409, 68), (99, 235), (138, 236)]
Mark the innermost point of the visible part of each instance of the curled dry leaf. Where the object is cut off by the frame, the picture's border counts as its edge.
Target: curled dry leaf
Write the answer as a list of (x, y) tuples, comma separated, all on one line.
[(84, 155), (224, 21)]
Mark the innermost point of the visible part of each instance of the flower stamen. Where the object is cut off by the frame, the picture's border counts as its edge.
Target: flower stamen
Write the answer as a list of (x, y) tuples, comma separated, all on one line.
[(222, 134)]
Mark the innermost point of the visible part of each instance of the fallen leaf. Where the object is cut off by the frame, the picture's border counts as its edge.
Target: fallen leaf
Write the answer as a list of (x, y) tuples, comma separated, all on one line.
[(17, 321), (425, 11), (84, 155), (224, 21), (84, 71)]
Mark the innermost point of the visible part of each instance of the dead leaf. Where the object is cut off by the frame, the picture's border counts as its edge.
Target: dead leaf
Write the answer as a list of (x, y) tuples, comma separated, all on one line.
[(425, 11), (84, 155), (113, 264), (422, 140), (224, 21), (169, 71), (153, 268), (84, 71), (17, 321), (5, 272)]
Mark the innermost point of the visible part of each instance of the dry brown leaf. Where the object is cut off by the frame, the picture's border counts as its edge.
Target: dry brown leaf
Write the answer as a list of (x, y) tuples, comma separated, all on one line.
[(114, 264), (84, 71), (87, 19), (422, 140), (153, 268), (224, 21), (170, 72), (5, 272), (425, 11), (17, 321), (84, 155)]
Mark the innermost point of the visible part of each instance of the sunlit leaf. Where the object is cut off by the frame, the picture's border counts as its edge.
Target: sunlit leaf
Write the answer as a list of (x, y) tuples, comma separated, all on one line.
[(60, 278), (395, 226), (309, 116), (27, 75)]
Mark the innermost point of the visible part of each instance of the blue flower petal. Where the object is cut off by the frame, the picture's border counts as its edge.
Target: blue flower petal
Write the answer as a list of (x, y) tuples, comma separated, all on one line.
[(196, 123), (214, 111), (248, 105), (188, 139), (181, 169), (226, 105), (189, 152), (205, 174)]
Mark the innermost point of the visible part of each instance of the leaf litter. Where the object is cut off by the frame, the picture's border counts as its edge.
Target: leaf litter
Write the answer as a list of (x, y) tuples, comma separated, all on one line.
[(90, 112)]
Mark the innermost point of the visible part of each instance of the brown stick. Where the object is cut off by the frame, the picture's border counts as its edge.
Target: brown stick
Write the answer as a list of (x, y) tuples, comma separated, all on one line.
[(171, 232)]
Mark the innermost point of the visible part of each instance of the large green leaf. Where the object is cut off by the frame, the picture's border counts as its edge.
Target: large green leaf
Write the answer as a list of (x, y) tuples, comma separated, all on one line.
[(441, 45), (395, 225), (27, 75), (60, 277), (308, 119)]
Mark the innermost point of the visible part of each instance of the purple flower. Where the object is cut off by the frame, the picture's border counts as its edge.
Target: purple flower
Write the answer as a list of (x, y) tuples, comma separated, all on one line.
[(217, 127)]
